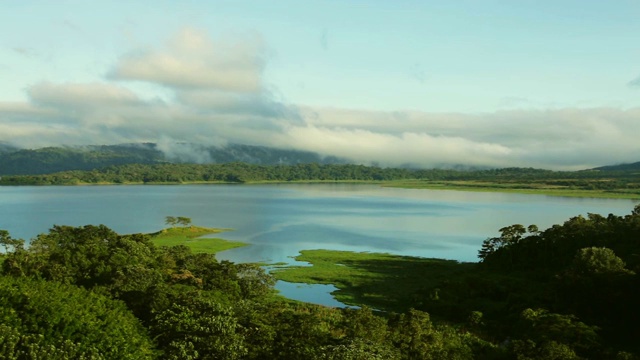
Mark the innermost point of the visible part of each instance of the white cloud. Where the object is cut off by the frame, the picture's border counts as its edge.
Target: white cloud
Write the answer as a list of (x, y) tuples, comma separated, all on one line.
[(217, 95), (416, 149), (81, 95), (562, 138), (559, 139), (251, 104), (193, 60)]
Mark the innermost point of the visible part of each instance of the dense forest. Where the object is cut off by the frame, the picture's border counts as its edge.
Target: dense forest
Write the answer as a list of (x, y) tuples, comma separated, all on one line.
[(47, 160), (180, 163), (567, 292), (611, 180), (6, 148)]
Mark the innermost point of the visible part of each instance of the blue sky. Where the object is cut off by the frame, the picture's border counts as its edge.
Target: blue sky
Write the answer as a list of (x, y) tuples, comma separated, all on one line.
[(552, 84)]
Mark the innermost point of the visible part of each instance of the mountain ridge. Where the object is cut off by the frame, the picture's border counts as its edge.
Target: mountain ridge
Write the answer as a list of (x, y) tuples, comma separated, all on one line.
[(14, 161), (46, 160), (620, 167)]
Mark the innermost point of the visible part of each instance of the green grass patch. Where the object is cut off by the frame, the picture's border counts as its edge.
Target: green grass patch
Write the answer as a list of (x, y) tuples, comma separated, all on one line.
[(192, 237), (381, 281), (515, 187)]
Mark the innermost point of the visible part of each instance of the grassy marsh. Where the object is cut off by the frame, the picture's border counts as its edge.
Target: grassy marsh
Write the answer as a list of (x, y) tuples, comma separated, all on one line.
[(515, 187), (381, 281), (192, 237)]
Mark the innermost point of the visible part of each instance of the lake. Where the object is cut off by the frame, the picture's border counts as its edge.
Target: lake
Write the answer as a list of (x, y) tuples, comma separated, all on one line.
[(280, 220)]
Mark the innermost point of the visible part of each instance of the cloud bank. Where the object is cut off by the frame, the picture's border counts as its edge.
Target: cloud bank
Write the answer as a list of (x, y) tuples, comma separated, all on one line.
[(218, 95)]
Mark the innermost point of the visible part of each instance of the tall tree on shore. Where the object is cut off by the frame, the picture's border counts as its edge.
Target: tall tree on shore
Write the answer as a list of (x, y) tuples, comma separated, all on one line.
[(184, 221), (171, 221)]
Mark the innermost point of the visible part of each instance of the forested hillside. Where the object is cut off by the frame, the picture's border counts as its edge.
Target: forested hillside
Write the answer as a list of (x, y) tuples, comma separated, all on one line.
[(15, 161), (4, 148), (620, 167), (55, 159)]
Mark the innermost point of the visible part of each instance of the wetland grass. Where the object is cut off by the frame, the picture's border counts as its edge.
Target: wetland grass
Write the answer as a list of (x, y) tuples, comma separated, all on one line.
[(192, 237)]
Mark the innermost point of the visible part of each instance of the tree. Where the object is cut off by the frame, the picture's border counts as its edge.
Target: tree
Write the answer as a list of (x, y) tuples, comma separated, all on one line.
[(10, 244), (50, 320), (197, 327), (184, 221), (509, 235), (254, 282), (93, 256), (416, 337), (597, 260), (171, 221), (365, 338), (559, 334)]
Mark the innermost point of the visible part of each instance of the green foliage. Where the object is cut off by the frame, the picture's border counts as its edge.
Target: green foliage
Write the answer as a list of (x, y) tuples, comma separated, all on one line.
[(10, 244), (585, 267), (549, 350), (171, 220), (197, 327), (184, 221), (621, 184), (416, 337), (254, 282), (544, 327), (54, 159), (584, 271), (553, 249), (509, 236), (597, 261), (382, 281), (41, 318), (359, 349), (303, 331), (91, 256)]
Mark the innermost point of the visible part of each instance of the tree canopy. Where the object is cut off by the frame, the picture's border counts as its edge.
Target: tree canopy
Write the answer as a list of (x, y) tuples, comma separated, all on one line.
[(566, 292)]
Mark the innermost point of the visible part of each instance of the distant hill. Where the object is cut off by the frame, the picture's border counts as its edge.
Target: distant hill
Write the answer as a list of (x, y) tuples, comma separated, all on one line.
[(54, 159), (620, 167), (5, 148)]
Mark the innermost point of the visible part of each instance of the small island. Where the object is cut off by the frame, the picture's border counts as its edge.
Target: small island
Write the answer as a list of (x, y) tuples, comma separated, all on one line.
[(192, 237)]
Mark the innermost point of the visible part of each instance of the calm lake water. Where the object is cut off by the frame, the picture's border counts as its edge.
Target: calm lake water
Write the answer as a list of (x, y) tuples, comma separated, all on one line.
[(280, 220)]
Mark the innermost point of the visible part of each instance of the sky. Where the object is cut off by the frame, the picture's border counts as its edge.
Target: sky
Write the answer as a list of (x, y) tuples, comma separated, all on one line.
[(545, 84)]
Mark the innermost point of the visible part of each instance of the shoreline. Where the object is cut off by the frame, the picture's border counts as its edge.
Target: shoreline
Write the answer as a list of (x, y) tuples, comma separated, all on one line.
[(500, 187)]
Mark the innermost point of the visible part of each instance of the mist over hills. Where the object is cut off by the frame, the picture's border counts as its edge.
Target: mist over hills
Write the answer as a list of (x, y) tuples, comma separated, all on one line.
[(14, 161), (5, 148)]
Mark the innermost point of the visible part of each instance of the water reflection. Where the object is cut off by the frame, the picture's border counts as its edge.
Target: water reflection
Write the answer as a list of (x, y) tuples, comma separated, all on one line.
[(316, 294)]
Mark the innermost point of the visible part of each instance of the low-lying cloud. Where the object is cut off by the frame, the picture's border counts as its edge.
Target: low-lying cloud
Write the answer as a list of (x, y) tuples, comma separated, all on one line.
[(218, 95)]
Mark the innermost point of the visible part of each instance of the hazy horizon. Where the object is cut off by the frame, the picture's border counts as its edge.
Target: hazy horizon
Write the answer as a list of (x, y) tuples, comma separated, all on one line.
[(531, 84)]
